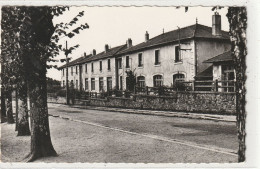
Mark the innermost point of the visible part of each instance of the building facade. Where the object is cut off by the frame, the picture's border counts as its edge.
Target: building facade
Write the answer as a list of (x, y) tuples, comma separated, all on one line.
[(223, 71), (161, 60)]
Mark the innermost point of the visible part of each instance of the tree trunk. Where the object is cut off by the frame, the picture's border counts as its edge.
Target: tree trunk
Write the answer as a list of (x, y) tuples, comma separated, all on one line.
[(41, 145), (16, 110), (9, 108), (22, 123), (237, 17), (3, 108)]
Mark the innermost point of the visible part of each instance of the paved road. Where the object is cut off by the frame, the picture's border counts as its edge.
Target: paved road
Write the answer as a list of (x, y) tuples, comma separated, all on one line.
[(190, 137)]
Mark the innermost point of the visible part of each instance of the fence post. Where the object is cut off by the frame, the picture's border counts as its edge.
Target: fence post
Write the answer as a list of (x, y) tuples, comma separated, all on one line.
[(193, 85), (135, 90), (216, 85), (146, 89), (96, 94)]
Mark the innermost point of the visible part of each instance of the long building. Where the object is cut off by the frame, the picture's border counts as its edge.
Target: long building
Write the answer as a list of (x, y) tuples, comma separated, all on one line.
[(176, 55)]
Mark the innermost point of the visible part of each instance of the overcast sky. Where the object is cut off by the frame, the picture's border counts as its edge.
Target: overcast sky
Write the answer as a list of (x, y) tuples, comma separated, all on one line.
[(114, 25)]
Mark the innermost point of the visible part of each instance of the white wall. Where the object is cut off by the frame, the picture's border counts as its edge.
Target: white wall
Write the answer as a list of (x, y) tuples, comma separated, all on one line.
[(167, 67)]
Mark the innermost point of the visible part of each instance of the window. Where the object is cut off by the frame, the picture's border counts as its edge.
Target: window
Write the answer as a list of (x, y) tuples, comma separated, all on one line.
[(177, 54), (121, 83), (141, 81), (63, 72), (71, 70), (157, 80), (100, 66), (86, 83), (109, 83), (140, 60), (86, 68), (63, 83), (92, 67), (101, 83), (71, 84), (76, 70), (127, 62), (120, 63), (228, 77), (76, 84), (157, 57), (108, 64), (92, 83), (178, 77)]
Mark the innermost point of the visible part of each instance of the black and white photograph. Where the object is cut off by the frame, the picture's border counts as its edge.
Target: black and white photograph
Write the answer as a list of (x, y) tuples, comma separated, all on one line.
[(132, 84)]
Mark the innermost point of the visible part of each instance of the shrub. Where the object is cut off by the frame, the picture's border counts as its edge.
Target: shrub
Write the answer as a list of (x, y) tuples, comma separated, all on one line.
[(162, 91), (179, 86), (61, 93)]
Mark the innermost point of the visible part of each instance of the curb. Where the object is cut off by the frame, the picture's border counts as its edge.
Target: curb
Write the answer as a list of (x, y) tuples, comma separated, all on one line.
[(221, 118)]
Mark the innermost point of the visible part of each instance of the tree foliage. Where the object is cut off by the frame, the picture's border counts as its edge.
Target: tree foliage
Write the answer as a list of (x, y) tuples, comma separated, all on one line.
[(131, 80)]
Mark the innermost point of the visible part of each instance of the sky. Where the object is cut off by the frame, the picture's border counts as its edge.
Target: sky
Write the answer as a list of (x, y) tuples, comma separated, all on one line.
[(114, 25)]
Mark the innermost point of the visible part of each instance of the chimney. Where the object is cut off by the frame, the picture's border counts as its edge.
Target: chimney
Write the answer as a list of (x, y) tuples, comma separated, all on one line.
[(129, 42), (216, 24), (85, 55), (106, 47), (147, 36), (94, 52)]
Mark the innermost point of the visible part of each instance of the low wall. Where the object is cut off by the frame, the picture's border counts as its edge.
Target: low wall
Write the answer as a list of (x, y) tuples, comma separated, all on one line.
[(203, 102), (60, 100)]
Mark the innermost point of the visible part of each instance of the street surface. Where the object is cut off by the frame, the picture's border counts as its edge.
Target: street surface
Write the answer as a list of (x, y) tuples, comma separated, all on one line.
[(185, 135), (81, 135)]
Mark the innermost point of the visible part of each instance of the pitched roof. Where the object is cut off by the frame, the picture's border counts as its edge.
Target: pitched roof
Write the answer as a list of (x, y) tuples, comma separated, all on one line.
[(193, 31), (89, 58), (104, 54), (224, 57), (75, 62), (206, 72)]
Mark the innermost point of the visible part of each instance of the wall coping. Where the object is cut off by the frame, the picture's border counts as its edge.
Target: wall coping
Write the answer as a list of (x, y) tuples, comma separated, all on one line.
[(124, 98)]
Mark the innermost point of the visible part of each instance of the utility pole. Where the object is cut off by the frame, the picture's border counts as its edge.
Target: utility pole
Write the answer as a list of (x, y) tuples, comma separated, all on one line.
[(67, 75)]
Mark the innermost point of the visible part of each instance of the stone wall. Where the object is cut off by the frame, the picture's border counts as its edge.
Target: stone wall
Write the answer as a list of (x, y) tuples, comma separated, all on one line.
[(202, 102)]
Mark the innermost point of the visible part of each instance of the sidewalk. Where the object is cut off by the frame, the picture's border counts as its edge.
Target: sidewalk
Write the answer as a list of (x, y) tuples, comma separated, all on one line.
[(216, 117)]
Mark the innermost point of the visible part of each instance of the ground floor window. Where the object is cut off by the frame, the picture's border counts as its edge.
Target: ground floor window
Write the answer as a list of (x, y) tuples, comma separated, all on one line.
[(109, 83), (121, 83), (141, 81), (228, 77), (86, 83), (157, 80), (101, 83), (77, 84), (178, 77), (63, 83), (92, 83), (71, 84)]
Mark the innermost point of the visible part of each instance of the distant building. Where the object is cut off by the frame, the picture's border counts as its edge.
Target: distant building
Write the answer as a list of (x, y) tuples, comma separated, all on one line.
[(223, 70), (161, 60)]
